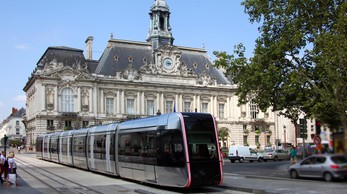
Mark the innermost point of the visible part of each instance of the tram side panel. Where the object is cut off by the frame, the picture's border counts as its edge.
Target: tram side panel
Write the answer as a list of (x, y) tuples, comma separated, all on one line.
[(65, 148), (46, 148), (154, 154), (171, 167), (54, 147), (39, 142), (79, 145), (101, 149)]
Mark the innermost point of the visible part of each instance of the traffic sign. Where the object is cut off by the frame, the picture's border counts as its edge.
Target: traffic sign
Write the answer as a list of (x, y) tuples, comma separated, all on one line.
[(317, 140)]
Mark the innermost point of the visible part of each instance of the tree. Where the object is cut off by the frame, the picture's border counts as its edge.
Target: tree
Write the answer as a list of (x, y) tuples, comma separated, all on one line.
[(299, 63), (223, 134)]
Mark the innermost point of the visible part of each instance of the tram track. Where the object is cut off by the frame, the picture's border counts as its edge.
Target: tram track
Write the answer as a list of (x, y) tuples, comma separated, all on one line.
[(49, 177), (56, 182)]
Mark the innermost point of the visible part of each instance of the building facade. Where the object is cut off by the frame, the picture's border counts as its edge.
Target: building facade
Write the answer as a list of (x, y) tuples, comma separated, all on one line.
[(13, 127), (134, 79)]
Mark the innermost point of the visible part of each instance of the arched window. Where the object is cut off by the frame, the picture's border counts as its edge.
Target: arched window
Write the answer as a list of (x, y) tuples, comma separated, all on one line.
[(67, 100)]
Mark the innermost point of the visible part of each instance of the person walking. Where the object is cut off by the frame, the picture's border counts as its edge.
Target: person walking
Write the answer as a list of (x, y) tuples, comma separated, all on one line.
[(222, 156), (12, 168), (2, 166), (293, 157)]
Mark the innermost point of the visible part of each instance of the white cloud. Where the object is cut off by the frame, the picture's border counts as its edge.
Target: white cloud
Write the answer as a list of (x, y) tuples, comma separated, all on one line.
[(20, 98), (22, 46)]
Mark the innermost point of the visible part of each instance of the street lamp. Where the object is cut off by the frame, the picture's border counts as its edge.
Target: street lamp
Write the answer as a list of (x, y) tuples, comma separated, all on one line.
[(5, 142), (285, 140)]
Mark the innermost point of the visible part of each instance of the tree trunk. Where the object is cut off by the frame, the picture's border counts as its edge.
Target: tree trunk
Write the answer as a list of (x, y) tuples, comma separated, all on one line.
[(344, 126)]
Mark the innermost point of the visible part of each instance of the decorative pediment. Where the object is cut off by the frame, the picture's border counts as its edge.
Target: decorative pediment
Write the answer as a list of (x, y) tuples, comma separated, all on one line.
[(206, 80), (130, 73), (66, 73)]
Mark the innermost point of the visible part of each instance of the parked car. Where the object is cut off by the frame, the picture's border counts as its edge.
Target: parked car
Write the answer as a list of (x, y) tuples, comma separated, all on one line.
[(328, 167), (242, 153), (275, 155)]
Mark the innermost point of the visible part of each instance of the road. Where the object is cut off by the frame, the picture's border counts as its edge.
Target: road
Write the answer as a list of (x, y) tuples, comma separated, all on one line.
[(38, 176), (272, 177), (269, 168)]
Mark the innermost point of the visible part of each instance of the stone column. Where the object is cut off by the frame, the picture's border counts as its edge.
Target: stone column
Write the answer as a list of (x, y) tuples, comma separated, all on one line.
[(56, 101), (122, 102), (78, 103), (138, 98), (102, 101), (95, 101), (158, 102), (90, 98), (44, 104), (118, 102)]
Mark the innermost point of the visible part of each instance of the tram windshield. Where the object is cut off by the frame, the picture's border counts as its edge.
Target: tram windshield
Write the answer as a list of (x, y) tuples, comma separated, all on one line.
[(201, 137)]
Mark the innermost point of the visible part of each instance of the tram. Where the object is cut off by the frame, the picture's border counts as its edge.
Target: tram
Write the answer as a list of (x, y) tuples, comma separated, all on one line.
[(175, 150)]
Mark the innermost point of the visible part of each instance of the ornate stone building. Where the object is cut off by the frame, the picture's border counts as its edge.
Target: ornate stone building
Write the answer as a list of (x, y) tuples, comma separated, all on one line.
[(138, 79)]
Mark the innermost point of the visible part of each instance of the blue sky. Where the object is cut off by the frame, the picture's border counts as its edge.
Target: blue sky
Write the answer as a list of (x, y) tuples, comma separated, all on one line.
[(28, 28)]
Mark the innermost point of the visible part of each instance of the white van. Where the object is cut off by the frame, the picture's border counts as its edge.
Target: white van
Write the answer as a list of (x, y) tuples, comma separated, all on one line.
[(242, 153)]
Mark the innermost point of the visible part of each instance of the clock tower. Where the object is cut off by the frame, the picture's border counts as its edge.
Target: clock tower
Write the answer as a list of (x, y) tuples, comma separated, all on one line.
[(160, 30)]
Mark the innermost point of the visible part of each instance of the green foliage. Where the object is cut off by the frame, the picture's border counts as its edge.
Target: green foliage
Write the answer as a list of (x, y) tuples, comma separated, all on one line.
[(300, 59), (223, 133)]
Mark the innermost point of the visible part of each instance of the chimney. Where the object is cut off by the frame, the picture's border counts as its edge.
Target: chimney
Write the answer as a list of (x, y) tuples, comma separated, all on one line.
[(89, 49), (14, 110)]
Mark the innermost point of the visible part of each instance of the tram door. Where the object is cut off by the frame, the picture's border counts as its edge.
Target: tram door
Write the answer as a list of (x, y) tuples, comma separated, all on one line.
[(150, 155)]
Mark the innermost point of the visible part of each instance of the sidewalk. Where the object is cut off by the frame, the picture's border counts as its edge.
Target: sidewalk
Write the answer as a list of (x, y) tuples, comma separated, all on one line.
[(22, 187)]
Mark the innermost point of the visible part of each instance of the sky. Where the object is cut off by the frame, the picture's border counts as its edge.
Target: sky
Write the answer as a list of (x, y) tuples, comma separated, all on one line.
[(28, 28)]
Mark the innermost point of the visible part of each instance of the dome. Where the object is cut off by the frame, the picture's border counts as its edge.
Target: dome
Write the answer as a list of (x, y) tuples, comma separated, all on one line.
[(160, 5)]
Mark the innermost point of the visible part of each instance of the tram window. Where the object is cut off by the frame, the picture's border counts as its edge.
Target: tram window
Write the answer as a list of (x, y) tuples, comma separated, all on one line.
[(171, 149), (99, 146), (64, 145), (201, 138), (79, 146), (138, 147)]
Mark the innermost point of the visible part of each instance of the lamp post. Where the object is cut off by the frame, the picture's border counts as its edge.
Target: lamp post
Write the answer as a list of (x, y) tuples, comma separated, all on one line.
[(5, 142), (285, 140)]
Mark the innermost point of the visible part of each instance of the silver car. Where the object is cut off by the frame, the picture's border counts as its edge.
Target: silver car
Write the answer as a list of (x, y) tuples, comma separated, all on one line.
[(275, 155), (328, 167)]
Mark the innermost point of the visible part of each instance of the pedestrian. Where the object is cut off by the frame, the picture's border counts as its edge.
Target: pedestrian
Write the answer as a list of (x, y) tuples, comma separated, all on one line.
[(222, 156), (293, 157), (12, 168), (2, 166), (18, 148)]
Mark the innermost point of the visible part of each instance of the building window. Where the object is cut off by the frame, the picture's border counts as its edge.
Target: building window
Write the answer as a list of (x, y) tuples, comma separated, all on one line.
[(168, 106), (49, 123), (131, 106), (68, 125), (221, 111), (253, 109), (17, 131), (257, 139), (109, 106), (204, 107), (17, 123), (187, 107), (150, 107), (67, 100), (245, 140), (85, 124)]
